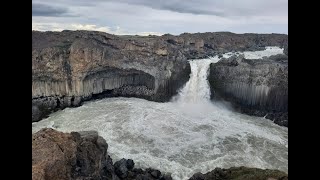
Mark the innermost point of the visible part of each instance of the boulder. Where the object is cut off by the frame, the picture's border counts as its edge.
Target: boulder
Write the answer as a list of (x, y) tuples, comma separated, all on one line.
[(57, 155)]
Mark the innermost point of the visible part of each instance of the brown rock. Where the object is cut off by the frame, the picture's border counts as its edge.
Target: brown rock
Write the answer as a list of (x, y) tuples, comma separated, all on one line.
[(162, 52), (53, 154), (64, 156)]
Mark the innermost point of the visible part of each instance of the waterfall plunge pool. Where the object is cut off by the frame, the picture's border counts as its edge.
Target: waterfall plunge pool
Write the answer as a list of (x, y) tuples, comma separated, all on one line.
[(187, 135)]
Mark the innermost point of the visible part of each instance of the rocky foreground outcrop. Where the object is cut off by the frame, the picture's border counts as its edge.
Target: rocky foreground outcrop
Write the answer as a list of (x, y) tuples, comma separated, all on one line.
[(241, 173), (255, 87), (70, 67), (81, 156), (84, 156)]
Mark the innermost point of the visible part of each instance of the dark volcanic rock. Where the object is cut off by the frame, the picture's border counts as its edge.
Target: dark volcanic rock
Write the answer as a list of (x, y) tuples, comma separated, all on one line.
[(121, 168), (80, 156), (156, 173), (279, 58), (109, 169), (130, 164), (57, 155), (285, 50), (256, 87), (69, 67), (241, 173), (37, 113)]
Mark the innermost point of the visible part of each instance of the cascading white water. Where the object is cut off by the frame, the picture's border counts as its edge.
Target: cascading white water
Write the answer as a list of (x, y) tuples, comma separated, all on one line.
[(197, 88), (182, 137)]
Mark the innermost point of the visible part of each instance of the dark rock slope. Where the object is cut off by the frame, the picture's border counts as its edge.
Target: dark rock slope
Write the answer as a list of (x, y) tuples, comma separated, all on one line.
[(69, 67), (256, 87), (84, 156)]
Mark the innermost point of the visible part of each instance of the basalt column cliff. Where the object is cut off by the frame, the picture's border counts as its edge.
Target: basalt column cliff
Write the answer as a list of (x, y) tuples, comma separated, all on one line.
[(70, 67)]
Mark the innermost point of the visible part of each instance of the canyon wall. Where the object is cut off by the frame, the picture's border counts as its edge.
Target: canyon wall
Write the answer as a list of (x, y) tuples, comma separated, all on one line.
[(70, 67), (256, 87)]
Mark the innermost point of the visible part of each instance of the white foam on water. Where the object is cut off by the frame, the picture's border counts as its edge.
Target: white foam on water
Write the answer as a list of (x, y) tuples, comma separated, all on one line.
[(270, 50), (182, 137)]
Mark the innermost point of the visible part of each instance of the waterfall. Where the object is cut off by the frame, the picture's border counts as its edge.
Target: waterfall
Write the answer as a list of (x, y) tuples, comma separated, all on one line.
[(197, 89)]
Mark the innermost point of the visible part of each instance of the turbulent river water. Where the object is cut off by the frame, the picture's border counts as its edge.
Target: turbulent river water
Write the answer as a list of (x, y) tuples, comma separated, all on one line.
[(187, 135)]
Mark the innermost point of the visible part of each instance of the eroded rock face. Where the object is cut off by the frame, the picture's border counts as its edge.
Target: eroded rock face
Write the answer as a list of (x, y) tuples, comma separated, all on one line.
[(80, 156), (53, 155), (241, 173), (57, 155), (73, 66), (256, 87)]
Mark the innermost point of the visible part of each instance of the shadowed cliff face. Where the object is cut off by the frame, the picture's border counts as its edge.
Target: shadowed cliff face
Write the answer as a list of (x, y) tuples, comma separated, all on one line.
[(257, 87), (73, 66)]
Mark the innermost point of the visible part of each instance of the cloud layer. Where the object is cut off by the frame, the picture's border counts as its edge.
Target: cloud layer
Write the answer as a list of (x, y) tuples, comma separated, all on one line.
[(47, 10), (159, 17)]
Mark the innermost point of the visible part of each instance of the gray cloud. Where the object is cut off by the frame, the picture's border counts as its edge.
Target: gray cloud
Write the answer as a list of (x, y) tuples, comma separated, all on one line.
[(166, 16), (214, 7), (48, 10), (180, 6), (197, 7)]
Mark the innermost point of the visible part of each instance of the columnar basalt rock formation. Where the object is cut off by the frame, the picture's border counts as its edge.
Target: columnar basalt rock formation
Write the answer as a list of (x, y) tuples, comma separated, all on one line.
[(256, 87), (70, 67)]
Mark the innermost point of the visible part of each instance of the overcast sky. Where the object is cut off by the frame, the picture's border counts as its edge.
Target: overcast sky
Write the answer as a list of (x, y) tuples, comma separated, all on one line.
[(158, 17)]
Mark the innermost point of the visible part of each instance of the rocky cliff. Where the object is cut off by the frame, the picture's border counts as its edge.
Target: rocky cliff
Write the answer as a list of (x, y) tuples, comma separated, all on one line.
[(69, 67), (256, 87), (84, 156)]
